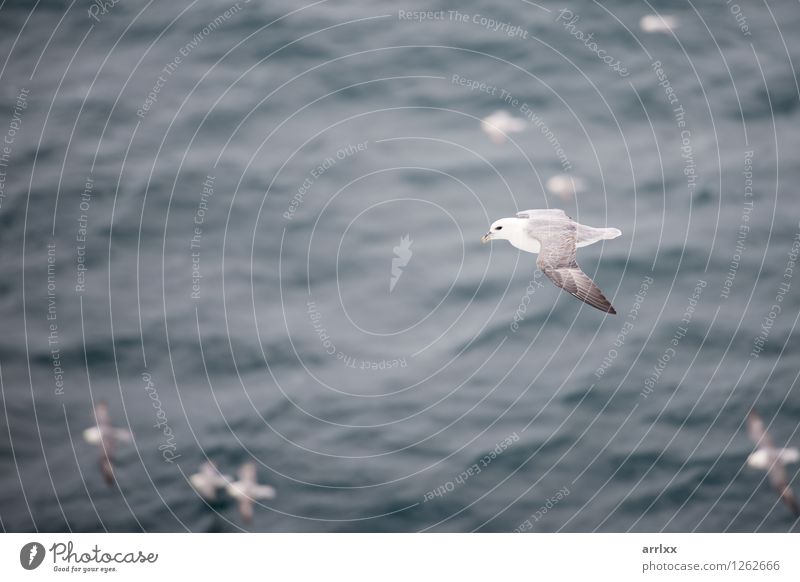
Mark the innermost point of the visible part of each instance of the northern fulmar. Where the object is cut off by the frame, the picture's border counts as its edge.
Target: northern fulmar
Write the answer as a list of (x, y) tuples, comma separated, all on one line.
[(554, 236)]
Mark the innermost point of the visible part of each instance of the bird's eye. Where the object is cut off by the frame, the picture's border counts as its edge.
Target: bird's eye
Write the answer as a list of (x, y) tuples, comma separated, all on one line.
[(498, 228)]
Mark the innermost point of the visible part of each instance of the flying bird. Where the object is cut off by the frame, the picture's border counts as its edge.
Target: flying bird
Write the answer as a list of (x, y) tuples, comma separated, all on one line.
[(208, 480), (500, 123), (565, 186), (658, 23), (106, 437), (555, 236), (769, 458), (247, 489)]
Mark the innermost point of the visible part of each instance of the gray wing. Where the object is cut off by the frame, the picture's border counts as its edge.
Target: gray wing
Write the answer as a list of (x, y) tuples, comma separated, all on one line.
[(557, 261), (106, 460), (780, 480), (246, 509), (108, 443), (206, 490), (209, 471), (247, 473), (757, 432), (546, 213)]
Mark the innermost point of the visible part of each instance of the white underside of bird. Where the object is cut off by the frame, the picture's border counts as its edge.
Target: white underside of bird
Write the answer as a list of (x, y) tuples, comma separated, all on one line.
[(565, 186), (764, 458), (587, 235), (239, 490), (208, 480), (94, 436), (658, 23), (500, 124)]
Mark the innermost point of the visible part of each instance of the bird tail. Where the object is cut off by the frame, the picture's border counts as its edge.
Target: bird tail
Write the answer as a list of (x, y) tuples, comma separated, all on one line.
[(589, 235), (609, 233)]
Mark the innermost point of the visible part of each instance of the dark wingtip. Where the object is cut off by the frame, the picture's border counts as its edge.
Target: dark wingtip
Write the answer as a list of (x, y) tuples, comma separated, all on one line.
[(611, 310), (108, 473)]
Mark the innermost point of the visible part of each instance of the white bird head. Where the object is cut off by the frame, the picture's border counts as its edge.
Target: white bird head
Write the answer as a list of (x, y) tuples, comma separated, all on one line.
[(505, 229)]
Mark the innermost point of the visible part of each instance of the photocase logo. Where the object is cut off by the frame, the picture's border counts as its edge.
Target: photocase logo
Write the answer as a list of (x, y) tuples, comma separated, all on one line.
[(31, 555), (402, 255)]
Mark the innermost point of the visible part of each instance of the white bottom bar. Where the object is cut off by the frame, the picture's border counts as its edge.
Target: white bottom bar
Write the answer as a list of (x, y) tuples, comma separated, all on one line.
[(370, 557)]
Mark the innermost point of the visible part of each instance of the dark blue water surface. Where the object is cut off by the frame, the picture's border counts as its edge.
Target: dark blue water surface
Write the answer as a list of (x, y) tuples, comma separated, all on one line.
[(210, 195)]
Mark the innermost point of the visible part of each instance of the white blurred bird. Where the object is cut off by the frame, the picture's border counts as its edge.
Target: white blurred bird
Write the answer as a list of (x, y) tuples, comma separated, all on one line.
[(106, 437), (565, 186), (501, 123), (246, 490), (658, 23), (208, 480), (771, 459)]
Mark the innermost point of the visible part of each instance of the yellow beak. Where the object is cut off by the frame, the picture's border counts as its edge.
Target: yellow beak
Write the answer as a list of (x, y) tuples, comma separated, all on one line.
[(486, 238)]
